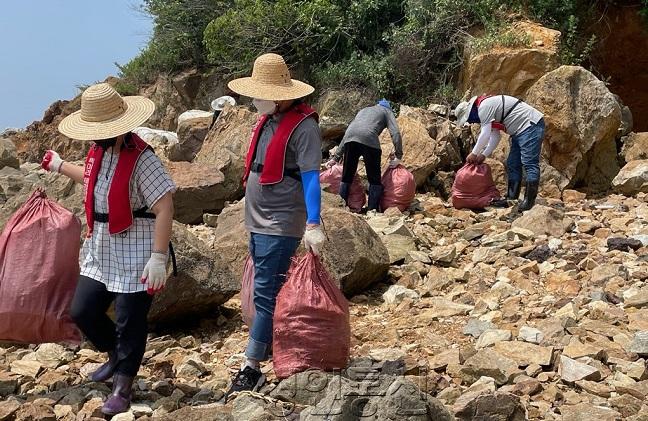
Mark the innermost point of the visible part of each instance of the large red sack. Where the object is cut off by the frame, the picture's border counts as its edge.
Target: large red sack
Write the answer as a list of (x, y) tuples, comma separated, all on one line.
[(311, 321), (333, 177), (473, 187), (399, 188), (39, 270), (248, 311)]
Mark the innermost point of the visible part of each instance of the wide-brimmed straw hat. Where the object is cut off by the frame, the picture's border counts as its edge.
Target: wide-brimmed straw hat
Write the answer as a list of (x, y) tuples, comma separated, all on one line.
[(462, 112), (271, 81), (219, 103), (105, 114)]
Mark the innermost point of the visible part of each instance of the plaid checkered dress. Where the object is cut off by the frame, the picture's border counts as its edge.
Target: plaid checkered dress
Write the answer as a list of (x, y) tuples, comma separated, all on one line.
[(118, 260)]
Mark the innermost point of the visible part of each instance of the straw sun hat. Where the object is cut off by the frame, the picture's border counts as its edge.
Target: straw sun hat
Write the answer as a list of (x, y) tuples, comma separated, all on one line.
[(271, 81), (105, 114)]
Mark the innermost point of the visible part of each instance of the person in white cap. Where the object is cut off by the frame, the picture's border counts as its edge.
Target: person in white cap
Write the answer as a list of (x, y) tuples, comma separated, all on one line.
[(129, 211), (526, 127), (282, 195), (218, 105)]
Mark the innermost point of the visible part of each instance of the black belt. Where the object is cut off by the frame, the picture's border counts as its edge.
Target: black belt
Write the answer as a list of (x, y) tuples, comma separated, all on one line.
[(288, 172), (141, 213)]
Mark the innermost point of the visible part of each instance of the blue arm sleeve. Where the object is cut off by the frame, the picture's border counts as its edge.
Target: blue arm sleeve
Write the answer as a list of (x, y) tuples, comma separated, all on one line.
[(312, 195)]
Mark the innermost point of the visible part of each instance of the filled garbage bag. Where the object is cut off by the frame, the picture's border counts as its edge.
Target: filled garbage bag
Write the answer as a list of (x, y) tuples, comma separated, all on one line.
[(333, 177), (247, 292), (473, 187), (39, 269), (399, 188), (311, 321)]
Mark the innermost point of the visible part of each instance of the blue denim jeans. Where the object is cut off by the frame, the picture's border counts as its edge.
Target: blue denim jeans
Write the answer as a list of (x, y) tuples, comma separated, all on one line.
[(525, 152), (271, 255)]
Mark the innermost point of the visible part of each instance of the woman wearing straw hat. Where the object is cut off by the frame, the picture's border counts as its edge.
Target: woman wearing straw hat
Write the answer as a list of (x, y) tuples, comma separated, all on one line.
[(129, 211), (282, 195)]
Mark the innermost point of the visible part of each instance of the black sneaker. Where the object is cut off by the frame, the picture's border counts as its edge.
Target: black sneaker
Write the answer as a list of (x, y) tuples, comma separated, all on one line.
[(246, 379)]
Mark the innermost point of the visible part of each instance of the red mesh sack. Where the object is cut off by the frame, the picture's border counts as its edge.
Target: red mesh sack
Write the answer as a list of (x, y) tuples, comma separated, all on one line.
[(473, 187), (311, 321), (248, 311), (399, 188), (333, 177), (39, 270)]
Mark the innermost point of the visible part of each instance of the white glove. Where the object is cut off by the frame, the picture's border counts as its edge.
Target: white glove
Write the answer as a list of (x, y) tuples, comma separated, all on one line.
[(52, 161), (155, 273), (313, 239), (393, 163), (331, 163)]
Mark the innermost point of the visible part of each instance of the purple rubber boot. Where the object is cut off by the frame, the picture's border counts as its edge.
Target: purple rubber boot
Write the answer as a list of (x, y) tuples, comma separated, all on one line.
[(120, 398)]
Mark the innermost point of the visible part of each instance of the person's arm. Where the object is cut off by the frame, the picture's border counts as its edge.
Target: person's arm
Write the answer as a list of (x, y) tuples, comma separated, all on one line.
[(312, 196), (52, 162), (482, 142), (163, 211), (495, 138), (394, 131)]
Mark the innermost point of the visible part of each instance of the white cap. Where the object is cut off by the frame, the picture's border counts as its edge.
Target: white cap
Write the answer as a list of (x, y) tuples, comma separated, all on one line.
[(219, 103)]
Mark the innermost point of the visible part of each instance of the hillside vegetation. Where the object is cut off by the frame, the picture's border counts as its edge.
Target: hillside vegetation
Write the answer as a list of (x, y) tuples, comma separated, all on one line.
[(409, 50)]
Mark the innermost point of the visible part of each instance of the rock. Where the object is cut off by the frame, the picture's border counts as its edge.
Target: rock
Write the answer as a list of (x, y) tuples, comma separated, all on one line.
[(582, 119), (476, 327), (443, 255), (595, 388), (204, 280), (572, 371), (524, 353), (36, 412), (492, 336), (623, 244), (494, 406), (632, 179), (398, 246), (8, 408), (601, 274), (576, 349), (337, 108), (191, 135), (200, 189), (635, 147), (126, 416), (487, 362), (397, 293), (8, 156), (354, 256), (543, 220), (638, 300), (225, 147), (91, 408), (639, 344), (26, 368), (52, 355), (573, 196), (484, 385), (530, 334), (445, 308), (200, 413), (442, 360), (190, 367), (8, 383), (305, 388), (250, 408), (390, 399), (587, 412), (511, 70), (627, 405)]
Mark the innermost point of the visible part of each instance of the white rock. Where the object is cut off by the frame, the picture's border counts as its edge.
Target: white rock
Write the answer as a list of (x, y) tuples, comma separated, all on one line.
[(397, 293), (530, 334), (492, 336)]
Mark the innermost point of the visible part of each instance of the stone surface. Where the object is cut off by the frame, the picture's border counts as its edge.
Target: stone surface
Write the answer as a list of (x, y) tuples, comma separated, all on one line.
[(524, 353), (639, 344), (487, 362), (200, 189), (573, 371), (587, 412), (397, 293), (582, 118), (8, 156), (191, 135), (493, 336), (632, 179), (635, 147), (494, 406), (543, 220)]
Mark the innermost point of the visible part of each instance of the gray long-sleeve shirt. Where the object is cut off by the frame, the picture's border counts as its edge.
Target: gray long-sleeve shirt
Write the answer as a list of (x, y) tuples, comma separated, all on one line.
[(366, 128)]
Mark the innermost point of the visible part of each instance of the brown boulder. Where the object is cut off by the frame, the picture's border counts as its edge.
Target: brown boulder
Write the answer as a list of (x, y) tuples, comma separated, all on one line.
[(226, 146), (192, 132), (582, 119), (8, 156), (337, 109), (512, 71), (632, 179), (543, 220), (635, 147), (200, 189)]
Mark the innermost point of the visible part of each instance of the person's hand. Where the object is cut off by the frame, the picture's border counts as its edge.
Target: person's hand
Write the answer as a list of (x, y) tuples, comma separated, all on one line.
[(394, 162), (331, 163), (155, 273), (52, 161), (481, 158), (471, 159), (313, 238)]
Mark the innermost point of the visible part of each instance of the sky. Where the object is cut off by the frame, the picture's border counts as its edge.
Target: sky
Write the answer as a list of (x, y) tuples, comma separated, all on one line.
[(49, 47)]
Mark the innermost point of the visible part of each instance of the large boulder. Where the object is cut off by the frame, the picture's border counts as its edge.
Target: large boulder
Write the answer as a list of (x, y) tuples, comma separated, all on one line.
[(511, 71), (8, 156), (635, 147), (200, 190), (632, 179), (337, 109), (354, 254), (204, 280), (543, 220), (226, 146), (193, 127), (582, 119)]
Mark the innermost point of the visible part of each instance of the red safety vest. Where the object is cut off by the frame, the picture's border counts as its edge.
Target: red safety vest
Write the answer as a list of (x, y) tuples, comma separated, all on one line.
[(120, 216), (495, 124), (273, 166)]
